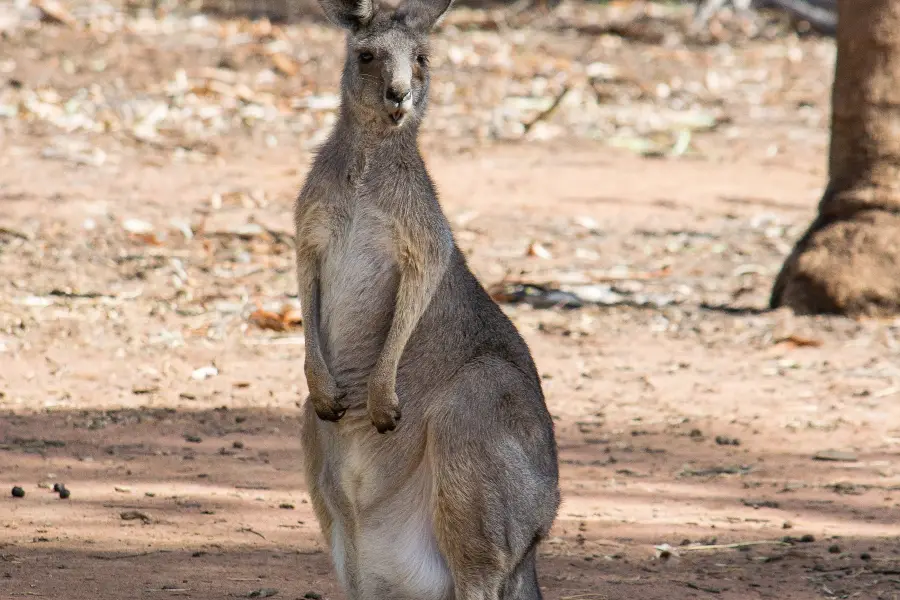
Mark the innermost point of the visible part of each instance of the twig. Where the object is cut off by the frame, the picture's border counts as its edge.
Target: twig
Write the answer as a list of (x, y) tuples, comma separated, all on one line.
[(123, 556), (549, 111), (15, 233), (695, 586), (253, 531), (731, 546)]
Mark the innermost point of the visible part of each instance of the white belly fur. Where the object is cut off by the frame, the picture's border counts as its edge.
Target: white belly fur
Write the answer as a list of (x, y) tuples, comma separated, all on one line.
[(404, 554), (396, 549)]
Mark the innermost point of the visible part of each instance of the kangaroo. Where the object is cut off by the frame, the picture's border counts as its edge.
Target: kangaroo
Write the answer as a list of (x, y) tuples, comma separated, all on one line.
[(430, 454)]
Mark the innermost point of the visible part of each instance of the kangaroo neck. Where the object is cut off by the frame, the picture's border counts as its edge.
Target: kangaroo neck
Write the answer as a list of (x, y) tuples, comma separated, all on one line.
[(367, 140)]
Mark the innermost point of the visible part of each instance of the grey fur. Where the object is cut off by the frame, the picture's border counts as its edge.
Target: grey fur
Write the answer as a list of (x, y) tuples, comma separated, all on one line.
[(450, 502)]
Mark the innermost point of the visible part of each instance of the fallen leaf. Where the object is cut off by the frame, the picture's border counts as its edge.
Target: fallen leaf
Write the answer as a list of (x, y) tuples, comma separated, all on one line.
[(265, 319), (288, 318), (538, 250), (149, 239), (284, 64), (134, 515), (54, 12), (799, 341), (291, 317)]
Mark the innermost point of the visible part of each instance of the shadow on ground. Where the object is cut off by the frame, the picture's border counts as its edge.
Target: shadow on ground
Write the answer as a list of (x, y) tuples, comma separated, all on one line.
[(211, 504)]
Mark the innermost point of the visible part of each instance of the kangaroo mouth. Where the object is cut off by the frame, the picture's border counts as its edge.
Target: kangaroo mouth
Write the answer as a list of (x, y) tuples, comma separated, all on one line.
[(397, 116)]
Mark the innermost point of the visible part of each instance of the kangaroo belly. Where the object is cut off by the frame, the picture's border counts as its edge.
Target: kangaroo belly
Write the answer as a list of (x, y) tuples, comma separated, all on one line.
[(399, 558), (358, 286), (397, 554)]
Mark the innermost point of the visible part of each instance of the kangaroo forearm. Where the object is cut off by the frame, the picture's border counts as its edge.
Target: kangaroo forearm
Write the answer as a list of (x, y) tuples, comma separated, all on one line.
[(414, 294), (309, 286)]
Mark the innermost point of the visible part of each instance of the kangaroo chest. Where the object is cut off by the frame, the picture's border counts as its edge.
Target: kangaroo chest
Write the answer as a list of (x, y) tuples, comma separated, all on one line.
[(358, 285)]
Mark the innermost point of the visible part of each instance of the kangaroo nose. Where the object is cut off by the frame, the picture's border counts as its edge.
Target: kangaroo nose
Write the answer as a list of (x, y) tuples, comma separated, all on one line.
[(397, 95)]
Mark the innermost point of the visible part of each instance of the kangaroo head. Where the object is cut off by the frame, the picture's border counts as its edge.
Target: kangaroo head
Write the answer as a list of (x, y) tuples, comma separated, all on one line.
[(385, 78)]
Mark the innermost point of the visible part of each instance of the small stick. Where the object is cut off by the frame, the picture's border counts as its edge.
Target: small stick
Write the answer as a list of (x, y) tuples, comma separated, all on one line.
[(124, 556), (731, 546), (549, 111), (253, 531)]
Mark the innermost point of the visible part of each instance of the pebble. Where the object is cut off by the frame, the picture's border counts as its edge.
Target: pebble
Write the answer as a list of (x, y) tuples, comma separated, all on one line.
[(18, 492)]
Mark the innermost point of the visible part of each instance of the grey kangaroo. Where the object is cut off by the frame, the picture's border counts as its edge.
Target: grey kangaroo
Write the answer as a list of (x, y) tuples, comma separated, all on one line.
[(450, 501)]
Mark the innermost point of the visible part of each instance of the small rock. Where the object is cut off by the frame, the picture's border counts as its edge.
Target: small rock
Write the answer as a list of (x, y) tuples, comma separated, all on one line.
[(664, 552), (263, 593), (57, 487), (834, 549), (808, 539), (286, 506), (137, 226), (723, 440), (204, 373), (18, 492), (237, 445), (865, 556), (194, 439), (313, 595), (836, 456), (787, 525), (64, 493)]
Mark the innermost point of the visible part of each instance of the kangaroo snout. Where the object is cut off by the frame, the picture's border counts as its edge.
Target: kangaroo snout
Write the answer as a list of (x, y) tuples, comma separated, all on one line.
[(398, 101), (397, 94)]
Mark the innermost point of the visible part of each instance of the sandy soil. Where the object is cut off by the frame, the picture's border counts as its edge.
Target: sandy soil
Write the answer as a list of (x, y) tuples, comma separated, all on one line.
[(709, 448)]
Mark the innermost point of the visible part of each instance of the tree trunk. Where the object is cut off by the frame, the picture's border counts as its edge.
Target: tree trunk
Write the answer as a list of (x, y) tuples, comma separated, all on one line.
[(848, 261)]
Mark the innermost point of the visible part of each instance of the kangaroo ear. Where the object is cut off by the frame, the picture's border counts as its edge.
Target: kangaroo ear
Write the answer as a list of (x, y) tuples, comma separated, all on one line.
[(422, 14), (349, 14)]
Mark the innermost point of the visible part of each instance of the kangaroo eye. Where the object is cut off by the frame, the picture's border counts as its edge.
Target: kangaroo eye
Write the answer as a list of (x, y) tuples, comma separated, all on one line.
[(365, 57), (422, 60)]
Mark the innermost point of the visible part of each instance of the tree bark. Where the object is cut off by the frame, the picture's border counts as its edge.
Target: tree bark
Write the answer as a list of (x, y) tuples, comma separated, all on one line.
[(848, 261)]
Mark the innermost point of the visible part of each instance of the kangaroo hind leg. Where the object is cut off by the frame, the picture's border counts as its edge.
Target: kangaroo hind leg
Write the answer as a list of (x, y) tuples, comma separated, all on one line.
[(491, 446)]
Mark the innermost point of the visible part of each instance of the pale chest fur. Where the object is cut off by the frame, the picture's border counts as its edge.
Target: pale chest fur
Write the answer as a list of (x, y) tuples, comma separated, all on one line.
[(358, 280)]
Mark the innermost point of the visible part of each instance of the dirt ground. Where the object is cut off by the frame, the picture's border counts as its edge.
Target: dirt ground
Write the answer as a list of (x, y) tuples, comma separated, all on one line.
[(709, 448)]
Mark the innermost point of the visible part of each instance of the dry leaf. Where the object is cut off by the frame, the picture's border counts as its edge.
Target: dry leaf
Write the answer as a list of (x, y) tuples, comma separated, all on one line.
[(54, 12), (265, 319), (284, 64), (536, 249), (149, 239), (799, 341), (291, 317)]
